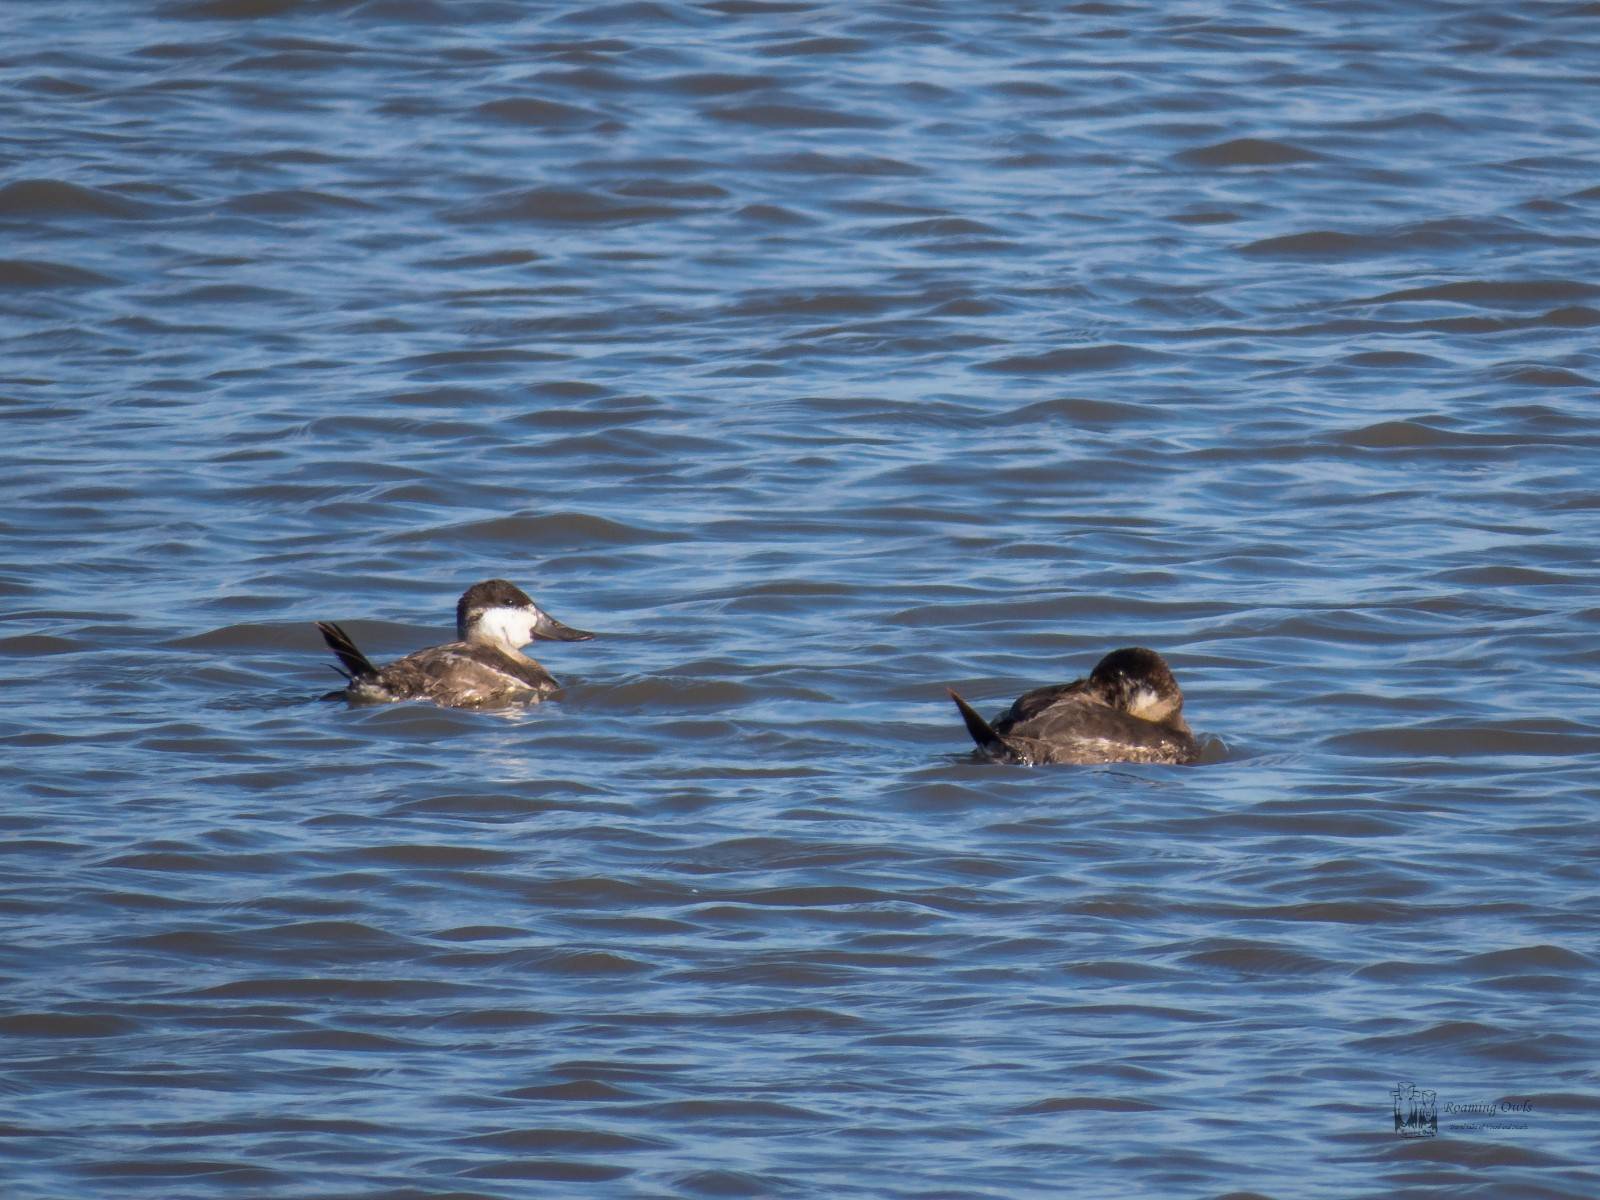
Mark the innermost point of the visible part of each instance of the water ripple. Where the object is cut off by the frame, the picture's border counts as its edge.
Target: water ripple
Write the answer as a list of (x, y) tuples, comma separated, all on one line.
[(818, 357)]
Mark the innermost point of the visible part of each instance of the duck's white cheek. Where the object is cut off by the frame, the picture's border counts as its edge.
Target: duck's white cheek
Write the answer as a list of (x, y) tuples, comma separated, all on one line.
[(1144, 702), (508, 625)]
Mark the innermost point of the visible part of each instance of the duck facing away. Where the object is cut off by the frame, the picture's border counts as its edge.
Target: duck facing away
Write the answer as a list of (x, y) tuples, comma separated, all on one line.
[(1128, 710), (484, 666)]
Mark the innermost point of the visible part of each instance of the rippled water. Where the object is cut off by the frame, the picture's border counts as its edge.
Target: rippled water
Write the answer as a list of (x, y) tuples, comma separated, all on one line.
[(818, 356)]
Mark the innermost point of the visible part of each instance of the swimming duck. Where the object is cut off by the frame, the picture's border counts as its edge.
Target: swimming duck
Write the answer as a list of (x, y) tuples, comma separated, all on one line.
[(484, 666), (1128, 710)]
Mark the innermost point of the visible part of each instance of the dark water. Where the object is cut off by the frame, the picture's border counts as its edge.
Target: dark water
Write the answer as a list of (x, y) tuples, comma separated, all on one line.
[(818, 355)]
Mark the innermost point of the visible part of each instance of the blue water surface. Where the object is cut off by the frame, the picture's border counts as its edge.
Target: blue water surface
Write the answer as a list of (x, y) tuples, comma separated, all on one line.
[(818, 356)]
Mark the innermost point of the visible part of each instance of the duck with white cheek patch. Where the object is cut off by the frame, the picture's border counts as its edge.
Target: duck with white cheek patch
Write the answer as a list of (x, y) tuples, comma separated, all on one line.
[(483, 667)]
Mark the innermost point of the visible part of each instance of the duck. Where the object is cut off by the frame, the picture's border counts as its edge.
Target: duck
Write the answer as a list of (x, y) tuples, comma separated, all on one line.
[(1129, 709), (483, 667)]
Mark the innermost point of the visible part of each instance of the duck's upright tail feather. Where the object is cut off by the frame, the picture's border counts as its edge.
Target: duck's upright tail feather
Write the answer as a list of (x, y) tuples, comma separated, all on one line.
[(356, 664), (982, 732)]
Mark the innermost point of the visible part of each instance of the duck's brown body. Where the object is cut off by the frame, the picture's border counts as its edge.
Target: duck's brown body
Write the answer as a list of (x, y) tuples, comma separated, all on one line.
[(1129, 709), (483, 667)]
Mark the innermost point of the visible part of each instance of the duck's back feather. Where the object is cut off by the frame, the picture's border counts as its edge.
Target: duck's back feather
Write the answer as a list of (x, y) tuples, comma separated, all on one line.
[(1077, 729), (457, 674)]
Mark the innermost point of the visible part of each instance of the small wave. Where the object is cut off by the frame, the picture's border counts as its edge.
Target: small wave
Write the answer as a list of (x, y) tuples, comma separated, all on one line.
[(937, 227), (737, 1112), (1317, 243), (1261, 960), (52, 198), (718, 83), (426, 855), (228, 10), (795, 116), (674, 693), (1541, 958), (187, 863), (565, 794), (817, 46), (671, 189), (1076, 410), (793, 1020), (581, 1091), (54, 85), (1475, 1039), (1107, 357), (1493, 293), (300, 989), (542, 114), (494, 1019), (409, 12), (223, 293), (600, 964), (1400, 360), (641, 12), (562, 206), (1423, 121), (1544, 377), (823, 302), (775, 215), (550, 531), (249, 636), (476, 357), (25, 274), (34, 645), (1573, 316), (1248, 152), (1206, 216), (543, 1140), (1566, 739), (290, 202), (488, 259), (816, 163), (1507, 575), (1061, 1104), (341, 1041), (548, 1170), (722, 1182), (1339, 912), (1401, 435), (64, 1025)]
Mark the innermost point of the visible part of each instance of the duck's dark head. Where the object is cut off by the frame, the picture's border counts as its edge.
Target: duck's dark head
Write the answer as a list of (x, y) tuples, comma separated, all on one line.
[(500, 612), (1139, 682)]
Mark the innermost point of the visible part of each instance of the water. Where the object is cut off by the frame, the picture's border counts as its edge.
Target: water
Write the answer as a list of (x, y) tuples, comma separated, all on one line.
[(818, 356)]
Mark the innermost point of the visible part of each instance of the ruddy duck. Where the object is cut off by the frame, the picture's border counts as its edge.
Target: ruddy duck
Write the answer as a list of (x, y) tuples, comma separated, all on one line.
[(483, 666), (1128, 710)]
